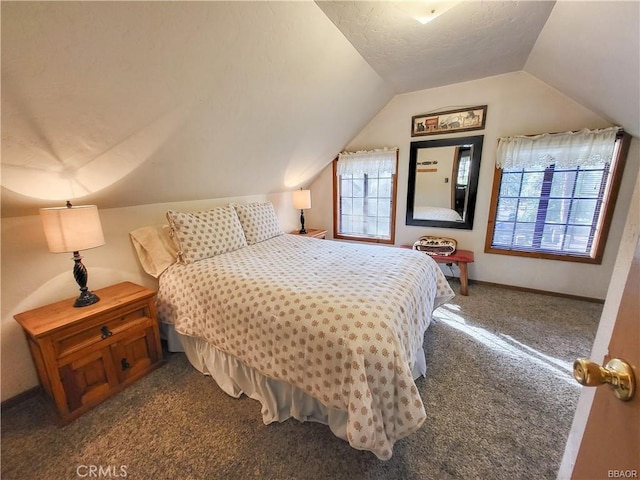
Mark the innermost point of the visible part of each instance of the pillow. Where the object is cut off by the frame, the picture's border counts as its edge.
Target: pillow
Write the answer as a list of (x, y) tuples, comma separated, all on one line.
[(206, 234), (259, 221), (155, 248)]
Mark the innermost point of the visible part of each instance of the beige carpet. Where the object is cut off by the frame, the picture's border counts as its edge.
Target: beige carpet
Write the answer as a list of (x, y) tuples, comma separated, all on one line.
[(499, 397)]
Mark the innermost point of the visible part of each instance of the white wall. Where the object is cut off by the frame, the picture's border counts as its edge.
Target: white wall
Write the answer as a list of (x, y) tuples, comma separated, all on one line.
[(518, 104), (32, 277)]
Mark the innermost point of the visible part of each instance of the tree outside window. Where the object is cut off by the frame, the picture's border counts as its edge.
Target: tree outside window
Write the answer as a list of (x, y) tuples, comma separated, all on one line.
[(554, 195)]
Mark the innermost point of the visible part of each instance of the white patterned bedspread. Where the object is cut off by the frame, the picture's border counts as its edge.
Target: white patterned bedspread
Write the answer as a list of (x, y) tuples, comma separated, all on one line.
[(343, 322)]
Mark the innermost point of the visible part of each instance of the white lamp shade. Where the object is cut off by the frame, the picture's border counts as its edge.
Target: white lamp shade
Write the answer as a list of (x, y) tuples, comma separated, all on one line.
[(70, 229), (302, 199)]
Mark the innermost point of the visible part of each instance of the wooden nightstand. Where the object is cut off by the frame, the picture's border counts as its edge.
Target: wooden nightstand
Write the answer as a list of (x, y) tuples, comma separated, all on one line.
[(85, 355), (311, 232)]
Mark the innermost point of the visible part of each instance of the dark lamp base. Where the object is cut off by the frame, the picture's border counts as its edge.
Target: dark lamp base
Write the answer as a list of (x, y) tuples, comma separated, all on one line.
[(86, 298), (80, 274), (302, 229)]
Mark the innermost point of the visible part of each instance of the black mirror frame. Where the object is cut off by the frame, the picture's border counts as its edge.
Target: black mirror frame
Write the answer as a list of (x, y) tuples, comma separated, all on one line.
[(474, 172)]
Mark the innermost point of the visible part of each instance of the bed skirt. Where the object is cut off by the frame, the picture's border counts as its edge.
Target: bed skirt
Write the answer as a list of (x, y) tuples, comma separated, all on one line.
[(280, 400)]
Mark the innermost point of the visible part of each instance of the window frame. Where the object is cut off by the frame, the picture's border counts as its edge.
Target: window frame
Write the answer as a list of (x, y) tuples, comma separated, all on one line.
[(336, 210), (616, 168)]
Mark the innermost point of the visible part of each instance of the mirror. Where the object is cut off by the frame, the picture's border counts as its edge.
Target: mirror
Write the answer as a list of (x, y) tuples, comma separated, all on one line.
[(443, 182)]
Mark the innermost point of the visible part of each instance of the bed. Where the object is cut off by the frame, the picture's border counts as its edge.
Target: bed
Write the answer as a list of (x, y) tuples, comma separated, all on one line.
[(317, 330)]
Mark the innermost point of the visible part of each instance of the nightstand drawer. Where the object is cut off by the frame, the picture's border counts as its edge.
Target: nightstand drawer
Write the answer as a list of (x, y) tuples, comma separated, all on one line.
[(101, 329)]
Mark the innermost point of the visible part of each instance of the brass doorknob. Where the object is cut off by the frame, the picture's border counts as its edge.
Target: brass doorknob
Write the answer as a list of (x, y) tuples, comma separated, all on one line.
[(617, 373)]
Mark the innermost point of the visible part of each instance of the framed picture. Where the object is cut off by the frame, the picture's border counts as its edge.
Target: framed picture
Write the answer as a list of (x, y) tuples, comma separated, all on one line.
[(461, 120)]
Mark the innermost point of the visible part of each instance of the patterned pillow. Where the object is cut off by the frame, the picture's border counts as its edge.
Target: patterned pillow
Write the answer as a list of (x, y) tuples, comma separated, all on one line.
[(259, 221), (202, 235)]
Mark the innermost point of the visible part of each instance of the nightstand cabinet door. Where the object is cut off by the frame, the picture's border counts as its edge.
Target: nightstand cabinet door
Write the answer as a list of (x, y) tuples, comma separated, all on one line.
[(134, 354), (87, 380)]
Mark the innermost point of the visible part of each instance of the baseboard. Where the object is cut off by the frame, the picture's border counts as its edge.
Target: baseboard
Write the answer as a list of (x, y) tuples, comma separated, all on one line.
[(21, 397), (534, 290)]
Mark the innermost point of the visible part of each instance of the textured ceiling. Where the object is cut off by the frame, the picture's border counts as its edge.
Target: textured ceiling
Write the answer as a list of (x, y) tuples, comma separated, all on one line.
[(588, 50), (472, 40)]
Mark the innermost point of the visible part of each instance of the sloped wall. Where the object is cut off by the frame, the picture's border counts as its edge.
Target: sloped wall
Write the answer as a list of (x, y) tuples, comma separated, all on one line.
[(518, 104), (133, 103), (601, 72)]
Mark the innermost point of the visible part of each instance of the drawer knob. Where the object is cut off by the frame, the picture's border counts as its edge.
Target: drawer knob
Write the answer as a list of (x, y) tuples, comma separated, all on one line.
[(125, 364), (106, 333)]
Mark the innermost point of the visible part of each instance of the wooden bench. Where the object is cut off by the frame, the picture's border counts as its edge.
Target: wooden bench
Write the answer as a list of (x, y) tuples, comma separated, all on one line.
[(460, 258)]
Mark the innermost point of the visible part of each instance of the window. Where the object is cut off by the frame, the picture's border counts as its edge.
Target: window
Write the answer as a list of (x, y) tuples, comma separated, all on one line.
[(463, 164), (554, 194), (364, 195)]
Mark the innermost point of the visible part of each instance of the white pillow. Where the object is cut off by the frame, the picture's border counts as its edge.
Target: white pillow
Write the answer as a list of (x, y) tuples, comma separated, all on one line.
[(155, 248), (259, 221), (206, 234)]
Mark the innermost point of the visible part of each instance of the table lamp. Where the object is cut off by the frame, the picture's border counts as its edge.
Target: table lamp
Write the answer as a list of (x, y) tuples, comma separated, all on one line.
[(71, 229), (302, 200)]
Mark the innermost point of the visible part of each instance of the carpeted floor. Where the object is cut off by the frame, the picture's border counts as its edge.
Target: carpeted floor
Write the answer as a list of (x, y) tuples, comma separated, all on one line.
[(499, 397)]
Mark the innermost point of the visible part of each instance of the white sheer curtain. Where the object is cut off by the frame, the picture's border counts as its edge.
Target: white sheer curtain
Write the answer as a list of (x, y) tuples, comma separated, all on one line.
[(371, 162), (567, 150)]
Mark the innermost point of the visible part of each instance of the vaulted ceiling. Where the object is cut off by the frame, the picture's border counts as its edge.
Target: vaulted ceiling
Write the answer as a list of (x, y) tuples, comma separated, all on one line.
[(471, 40), (129, 103), (588, 50)]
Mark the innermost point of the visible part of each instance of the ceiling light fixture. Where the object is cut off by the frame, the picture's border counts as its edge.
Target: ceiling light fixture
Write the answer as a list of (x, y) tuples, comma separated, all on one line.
[(426, 10)]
